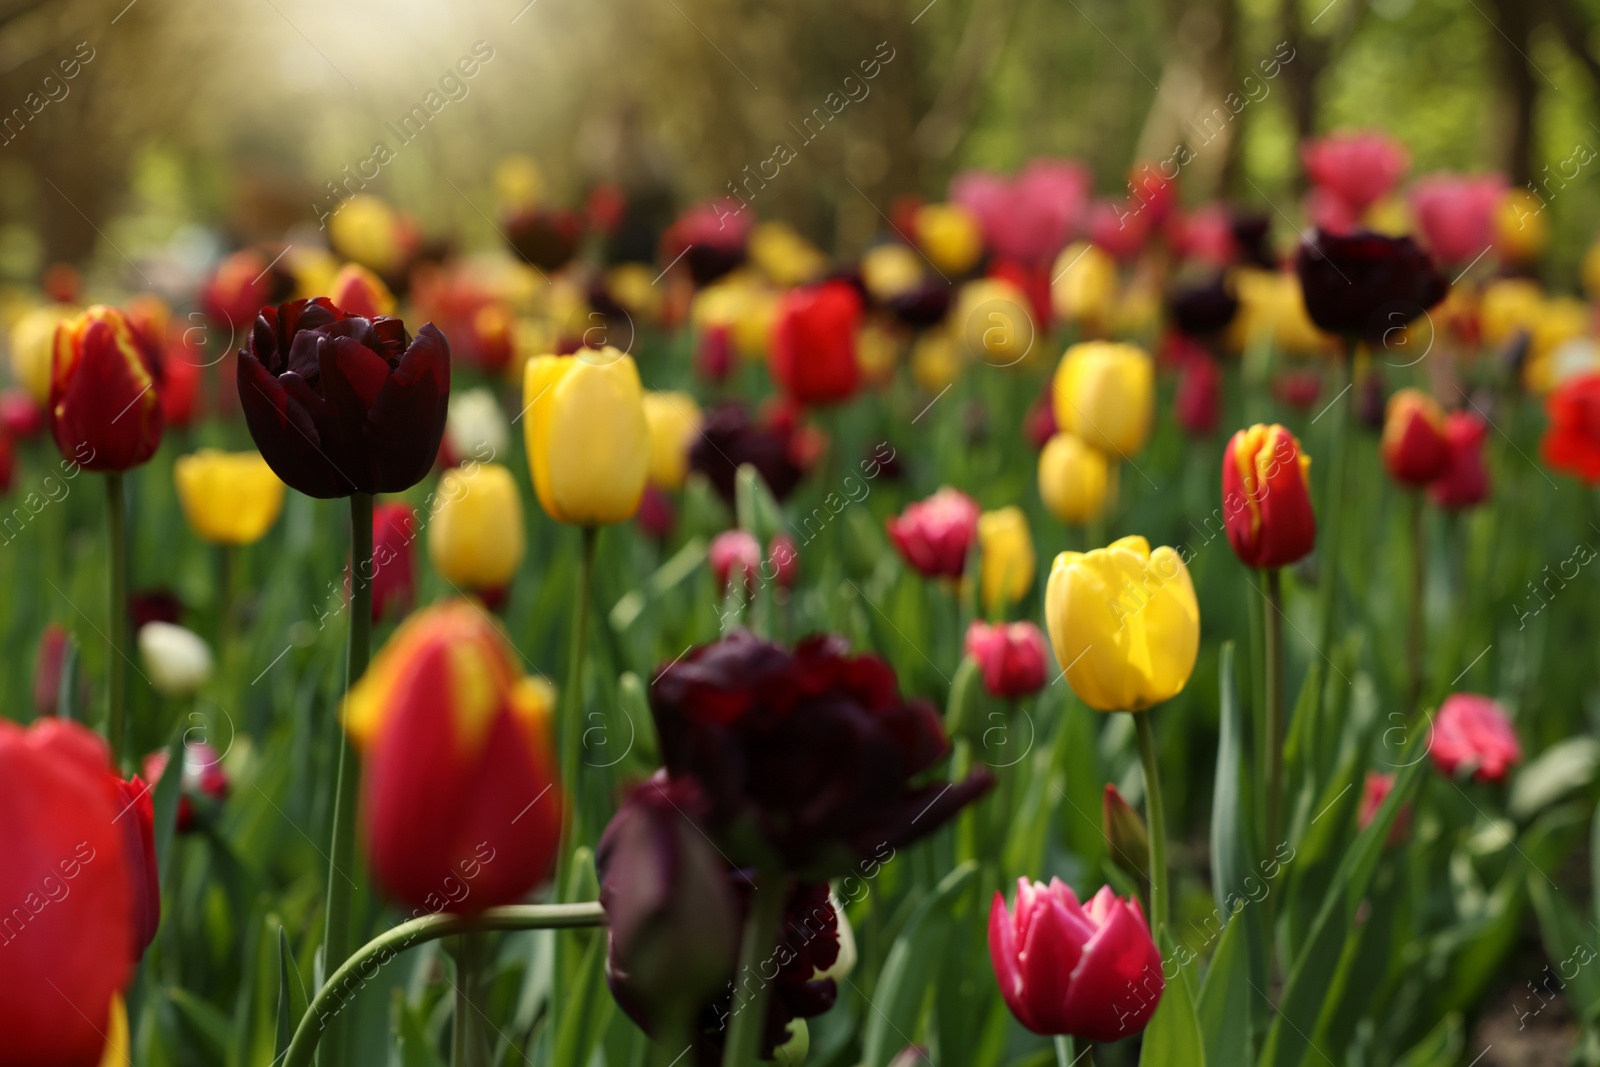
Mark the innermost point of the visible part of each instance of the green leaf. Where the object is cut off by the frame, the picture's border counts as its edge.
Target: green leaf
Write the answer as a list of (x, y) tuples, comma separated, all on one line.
[(213, 1027), (912, 965), (1233, 868), (415, 1048), (1441, 1048), (1225, 996), (67, 686), (1568, 949), (1558, 770), (291, 995), (588, 1006), (1174, 1038), (164, 799)]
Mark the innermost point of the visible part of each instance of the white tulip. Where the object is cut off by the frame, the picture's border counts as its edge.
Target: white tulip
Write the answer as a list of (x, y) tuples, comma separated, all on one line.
[(475, 426), (178, 661)]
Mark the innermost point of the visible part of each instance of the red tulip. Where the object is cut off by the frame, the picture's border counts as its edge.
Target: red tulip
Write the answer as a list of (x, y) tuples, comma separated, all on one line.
[(135, 820), (105, 409), (1011, 656), (394, 565), (1375, 789), (656, 513), (1465, 481), (1089, 972), (785, 560), (180, 386), (813, 351), (242, 283), (47, 668), (735, 556), (709, 239), (1415, 449), (1266, 498), (1120, 228), (68, 887), (934, 535), (1297, 389), (1359, 168), (1039, 425), (202, 777), (1198, 403), (713, 353), (1473, 733), (20, 415), (462, 808), (1207, 236), (1457, 214), (1572, 441)]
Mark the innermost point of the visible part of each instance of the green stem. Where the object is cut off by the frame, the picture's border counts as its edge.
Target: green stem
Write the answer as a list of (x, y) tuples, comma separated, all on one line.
[(572, 724), (1066, 1053), (750, 989), (349, 978), (1334, 496), (341, 837), (117, 529), (1156, 818), (1272, 745), (468, 1047), (1415, 624)]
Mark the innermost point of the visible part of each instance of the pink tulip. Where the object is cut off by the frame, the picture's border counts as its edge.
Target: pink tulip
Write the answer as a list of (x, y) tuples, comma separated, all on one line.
[(1120, 228), (735, 554), (934, 535), (1091, 972), (1359, 168), (1207, 236), (1465, 481), (1011, 657), (1030, 217), (1456, 214), (1473, 733), (1374, 791)]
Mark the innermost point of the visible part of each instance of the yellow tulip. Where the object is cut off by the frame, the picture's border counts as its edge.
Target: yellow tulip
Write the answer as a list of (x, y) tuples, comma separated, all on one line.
[(1509, 305), (368, 231), (1104, 393), (475, 532), (518, 183), (1006, 547), (1124, 624), (674, 420), (1075, 481), (890, 270), (1272, 308), (877, 352), (1562, 319), (950, 236), (588, 442), (229, 498), (32, 338), (936, 362), (779, 252), (995, 321), (1083, 288), (1521, 227)]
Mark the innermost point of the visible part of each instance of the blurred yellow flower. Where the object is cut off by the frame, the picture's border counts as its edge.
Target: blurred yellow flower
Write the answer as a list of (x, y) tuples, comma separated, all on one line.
[(1084, 286), (588, 442), (1273, 309), (518, 183), (1105, 394), (475, 537), (891, 269), (368, 230), (1509, 306), (994, 322), (1007, 559), (32, 340), (228, 498), (779, 252), (1076, 482), (950, 236), (1124, 624), (1521, 227), (674, 420), (877, 352), (936, 361)]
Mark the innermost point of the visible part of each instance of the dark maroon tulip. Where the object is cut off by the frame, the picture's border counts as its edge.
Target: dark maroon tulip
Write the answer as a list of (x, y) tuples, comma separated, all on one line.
[(807, 757), (157, 604), (709, 239), (340, 404), (923, 306), (729, 438), (1203, 309), (1367, 286), (1252, 239), (545, 239)]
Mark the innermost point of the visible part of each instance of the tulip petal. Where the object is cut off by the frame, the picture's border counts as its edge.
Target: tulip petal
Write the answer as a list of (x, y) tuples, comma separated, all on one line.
[(281, 415), (1003, 956), (405, 421), (1118, 981)]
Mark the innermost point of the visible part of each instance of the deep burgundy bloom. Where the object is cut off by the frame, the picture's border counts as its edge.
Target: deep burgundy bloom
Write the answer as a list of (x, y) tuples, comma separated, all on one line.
[(729, 438), (547, 239), (340, 404), (1366, 285), (1197, 405), (1204, 309), (157, 604), (709, 239), (807, 757)]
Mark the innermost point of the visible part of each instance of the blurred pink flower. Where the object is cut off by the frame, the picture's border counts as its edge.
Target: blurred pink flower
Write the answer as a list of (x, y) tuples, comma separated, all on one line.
[(1032, 216), (1456, 214), (1473, 733), (1359, 168)]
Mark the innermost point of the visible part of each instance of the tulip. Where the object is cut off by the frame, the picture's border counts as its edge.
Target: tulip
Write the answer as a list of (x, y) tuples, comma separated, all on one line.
[(809, 756), (1465, 480), (229, 498), (177, 661), (588, 441), (104, 409), (360, 292), (475, 537), (735, 556), (1366, 286), (1011, 656), (1272, 307), (1359, 168), (1027, 218), (785, 559), (201, 776), (1089, 972), (656, 514), (1007, 564), (32, 342), (1125, 833), (710, 240), (1083, 287), (459, 781), (935, 534), (340, 404), (1124, 623), (949, 236), (1571, 442), (394, 570), (813, 350), (729, 439), (1119, 228), (21, 416), (1456, 214), (1472, 733), (1104, 394), (1266, 498), (1375, 789), (69, 887), (475, 428), (995, 321), (936, 361), (240, 285), (1415, 448), (370, 232), (779, 252), (1521, 228), (890, 270), (1198, 403), (1203, 310), (670, 908), (673, 420), (1075, 481), (136, 822), (180, 387)]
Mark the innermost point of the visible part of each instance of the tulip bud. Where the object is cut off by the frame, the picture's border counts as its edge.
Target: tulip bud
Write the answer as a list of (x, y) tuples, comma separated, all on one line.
[(136, 822), (674, 421), (1415, 448), (177, 661), (475, 428), (1266, 497), (1464, 483), (668, 902), (785, 560), (934, 535), (656, 514), (1075, 481), (1006, 564), (1011, 656), (229, 498), (588, 441), (1375, 789), (48, 666), (60, 830), (1472, 733), (1125, 833), (1104, 393), (394, 568), (1089, 972), (104, 409), (20, 414), (360, 292), (475, 537), (813, 350), (735, 556), (1091, 602), (462, 807)]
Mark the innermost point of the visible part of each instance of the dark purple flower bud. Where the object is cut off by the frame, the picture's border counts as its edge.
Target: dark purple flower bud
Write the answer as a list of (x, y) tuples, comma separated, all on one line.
[(1203, 309), (1367, 286), (729, 438)]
